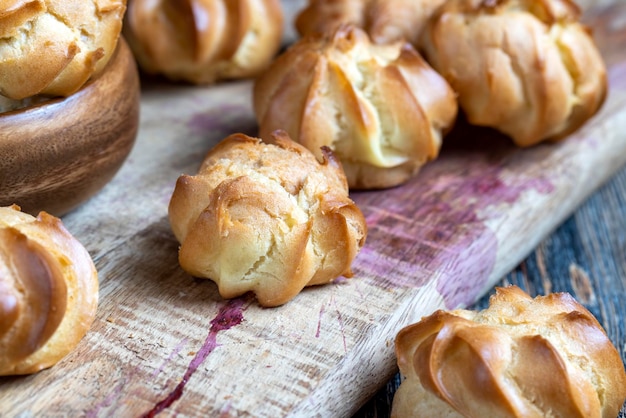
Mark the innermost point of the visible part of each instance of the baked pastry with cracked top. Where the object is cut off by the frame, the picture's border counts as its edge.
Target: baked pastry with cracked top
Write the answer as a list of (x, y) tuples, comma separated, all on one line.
[(381, 108), (266, 217), (204, 41), (48, 291), (383, 20), (54, 47), (528, 68), (540, 357)]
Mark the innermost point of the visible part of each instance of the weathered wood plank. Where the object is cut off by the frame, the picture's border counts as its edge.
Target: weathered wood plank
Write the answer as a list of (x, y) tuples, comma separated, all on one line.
[(585, 256)]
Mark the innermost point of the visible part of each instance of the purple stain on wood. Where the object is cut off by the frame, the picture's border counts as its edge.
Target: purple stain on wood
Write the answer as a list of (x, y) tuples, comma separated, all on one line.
[(228, 316), (107, 401), (340, 321), (617, 76), (225, 411), (319, 322), (331, 303), (342, 329), (220, 124), (169, 358), (114, 395), (433, 228)]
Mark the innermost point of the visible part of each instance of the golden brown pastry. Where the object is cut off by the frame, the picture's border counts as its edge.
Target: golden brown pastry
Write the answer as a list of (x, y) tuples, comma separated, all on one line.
[(381, 108), (203, 41), (383, 20), (267, 218), (521, 357), (525, 67), (53, 47), (48, 291)]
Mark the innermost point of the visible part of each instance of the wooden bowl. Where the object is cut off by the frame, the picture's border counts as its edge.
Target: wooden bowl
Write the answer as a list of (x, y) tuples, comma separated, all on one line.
[(57, 154)]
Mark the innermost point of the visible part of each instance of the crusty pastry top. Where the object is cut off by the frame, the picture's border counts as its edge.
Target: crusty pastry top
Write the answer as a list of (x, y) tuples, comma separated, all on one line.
[(523, 357), (525, 67), (383, 20), (266, 217), (381, 108), (53, 47), (203, 41), (48, 291)]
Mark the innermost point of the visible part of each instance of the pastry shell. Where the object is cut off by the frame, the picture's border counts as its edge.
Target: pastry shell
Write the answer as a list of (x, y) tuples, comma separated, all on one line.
[(546, 356), (204, 41), (383, 20), (267, 218), (54, 47), (48, 291), (527, 68), (381, 108)]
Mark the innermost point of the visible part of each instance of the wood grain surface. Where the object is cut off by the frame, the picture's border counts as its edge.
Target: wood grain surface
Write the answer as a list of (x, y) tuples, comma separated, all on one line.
[(166, 343), (585, 256)]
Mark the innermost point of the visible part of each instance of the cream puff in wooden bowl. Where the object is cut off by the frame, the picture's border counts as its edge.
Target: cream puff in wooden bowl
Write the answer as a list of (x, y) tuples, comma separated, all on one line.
[(68, 115)]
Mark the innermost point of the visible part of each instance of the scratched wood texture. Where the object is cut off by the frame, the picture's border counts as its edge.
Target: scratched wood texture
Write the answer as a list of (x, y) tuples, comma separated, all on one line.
[(165, 342), (585, 256)]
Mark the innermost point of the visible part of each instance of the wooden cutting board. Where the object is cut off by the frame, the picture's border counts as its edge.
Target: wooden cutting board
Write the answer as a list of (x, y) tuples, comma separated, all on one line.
[(163, 341)]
